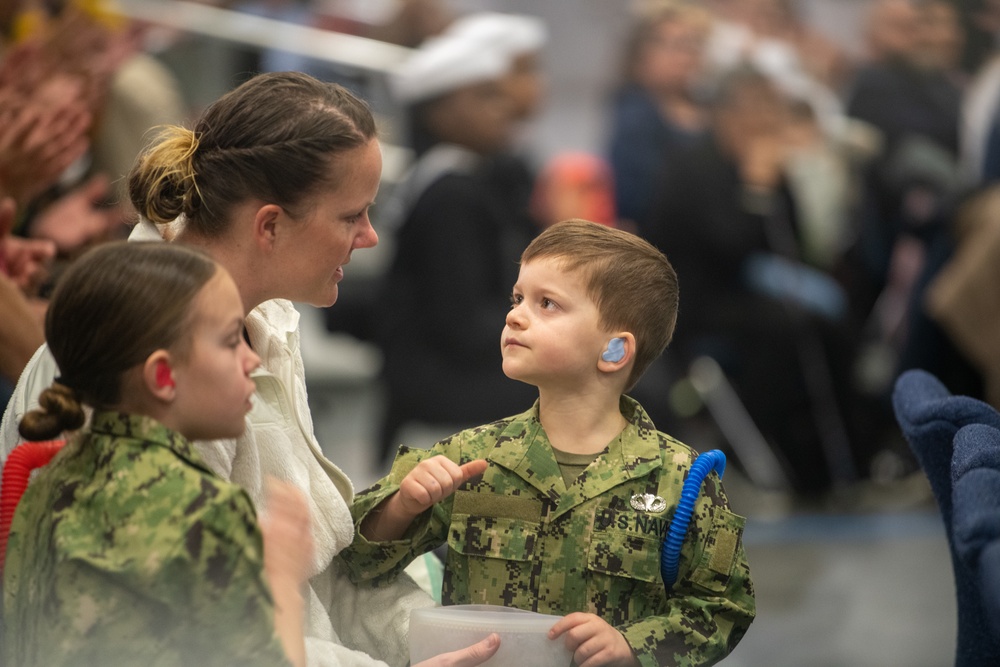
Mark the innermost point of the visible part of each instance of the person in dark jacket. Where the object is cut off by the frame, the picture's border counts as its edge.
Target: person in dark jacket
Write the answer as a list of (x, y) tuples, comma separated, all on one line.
[(458, 238)]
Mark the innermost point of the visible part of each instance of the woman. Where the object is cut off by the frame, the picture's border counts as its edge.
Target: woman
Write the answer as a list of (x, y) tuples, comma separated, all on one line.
[(655, 113), (274, 183)]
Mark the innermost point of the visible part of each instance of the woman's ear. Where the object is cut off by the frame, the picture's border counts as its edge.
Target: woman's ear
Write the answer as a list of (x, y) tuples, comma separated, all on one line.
[(618, 353), (265, 226), (158, 376)]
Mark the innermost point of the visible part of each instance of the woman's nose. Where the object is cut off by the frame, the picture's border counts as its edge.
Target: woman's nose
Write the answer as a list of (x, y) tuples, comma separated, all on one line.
[(367, 238)]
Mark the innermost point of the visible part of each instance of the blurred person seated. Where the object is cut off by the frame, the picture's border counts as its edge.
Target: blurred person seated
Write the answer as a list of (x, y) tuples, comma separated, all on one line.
[(23, 267), (48, 105), (521, 40), (771, 35), (943, 38), (908, 92), (77, 70), (656, 111), (458, 236), (904, 88), (779, 326)]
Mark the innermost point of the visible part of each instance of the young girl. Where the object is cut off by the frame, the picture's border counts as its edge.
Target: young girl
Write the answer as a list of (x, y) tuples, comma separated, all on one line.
[(126, 549)]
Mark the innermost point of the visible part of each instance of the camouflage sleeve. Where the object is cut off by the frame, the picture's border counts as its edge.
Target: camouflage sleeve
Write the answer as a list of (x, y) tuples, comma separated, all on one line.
[(217, 581), (381, 562), (712, 603)]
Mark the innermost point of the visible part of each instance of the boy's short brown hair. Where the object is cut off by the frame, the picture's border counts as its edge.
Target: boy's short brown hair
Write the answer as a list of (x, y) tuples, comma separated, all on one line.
[(631, 282)]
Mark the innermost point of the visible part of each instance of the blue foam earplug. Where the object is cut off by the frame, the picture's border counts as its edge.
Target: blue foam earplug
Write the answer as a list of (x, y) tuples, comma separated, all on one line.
[(615, 351)]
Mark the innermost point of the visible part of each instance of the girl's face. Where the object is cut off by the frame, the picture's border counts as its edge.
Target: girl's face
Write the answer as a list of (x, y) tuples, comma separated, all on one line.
[(553, 337), (212, 380), (335, 224)]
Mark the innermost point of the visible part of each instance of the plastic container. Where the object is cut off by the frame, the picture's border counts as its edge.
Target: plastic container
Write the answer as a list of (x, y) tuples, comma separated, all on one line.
[(523, 634)]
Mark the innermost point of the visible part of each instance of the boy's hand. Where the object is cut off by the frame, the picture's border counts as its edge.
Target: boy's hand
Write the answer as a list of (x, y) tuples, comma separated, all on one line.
[(433, 480), (430, 481), (593, 641)]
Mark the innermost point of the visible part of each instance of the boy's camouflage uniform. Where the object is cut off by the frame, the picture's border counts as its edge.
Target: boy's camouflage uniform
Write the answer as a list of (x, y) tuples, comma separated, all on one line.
[(126, 550), (518, 537)]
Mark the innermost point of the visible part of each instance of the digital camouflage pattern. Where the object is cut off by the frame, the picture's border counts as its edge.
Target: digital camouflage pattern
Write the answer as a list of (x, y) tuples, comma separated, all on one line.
[(519, 537), (127, 550)]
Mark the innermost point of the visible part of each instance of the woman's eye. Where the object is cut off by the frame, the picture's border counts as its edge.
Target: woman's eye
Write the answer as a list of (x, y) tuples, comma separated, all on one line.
[(359, 216)]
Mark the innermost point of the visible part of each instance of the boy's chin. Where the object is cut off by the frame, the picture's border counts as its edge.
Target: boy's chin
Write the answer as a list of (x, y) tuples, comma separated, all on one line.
[(513, 375)]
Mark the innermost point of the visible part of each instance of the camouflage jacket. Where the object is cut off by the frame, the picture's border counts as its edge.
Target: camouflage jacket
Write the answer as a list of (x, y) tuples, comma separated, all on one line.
[(519, 537), (126, 550)]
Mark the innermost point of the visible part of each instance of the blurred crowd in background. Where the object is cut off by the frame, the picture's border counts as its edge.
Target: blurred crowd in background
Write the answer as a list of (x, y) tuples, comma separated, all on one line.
[(833, 216)]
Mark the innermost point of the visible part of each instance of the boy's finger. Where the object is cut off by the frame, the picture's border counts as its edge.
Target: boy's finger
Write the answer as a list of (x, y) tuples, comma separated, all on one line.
[(567, 623), (473, 468)]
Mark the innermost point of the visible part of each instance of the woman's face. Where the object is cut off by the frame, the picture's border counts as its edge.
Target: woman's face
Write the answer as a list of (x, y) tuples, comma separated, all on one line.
[(671, 60), (334, 224)]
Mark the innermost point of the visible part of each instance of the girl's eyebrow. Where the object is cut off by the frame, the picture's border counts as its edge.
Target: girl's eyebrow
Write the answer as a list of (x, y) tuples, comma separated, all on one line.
[(236, 323)]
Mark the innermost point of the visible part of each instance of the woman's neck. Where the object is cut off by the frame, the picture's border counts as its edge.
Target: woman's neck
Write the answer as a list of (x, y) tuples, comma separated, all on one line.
[(681, 111), (237, 261)]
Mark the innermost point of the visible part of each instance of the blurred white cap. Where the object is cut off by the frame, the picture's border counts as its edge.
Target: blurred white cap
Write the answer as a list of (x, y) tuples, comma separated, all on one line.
[(442, 64), (512, 34)]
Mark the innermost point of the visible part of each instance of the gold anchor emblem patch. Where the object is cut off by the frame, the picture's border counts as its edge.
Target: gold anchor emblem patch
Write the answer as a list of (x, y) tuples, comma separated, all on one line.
[(647, 502)]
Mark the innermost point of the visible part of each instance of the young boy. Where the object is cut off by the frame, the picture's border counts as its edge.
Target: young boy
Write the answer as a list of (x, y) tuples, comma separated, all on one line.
[(563, 508)]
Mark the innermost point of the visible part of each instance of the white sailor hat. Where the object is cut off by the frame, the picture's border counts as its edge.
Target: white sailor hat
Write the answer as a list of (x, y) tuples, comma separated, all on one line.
[(511, 34), (442, 64)]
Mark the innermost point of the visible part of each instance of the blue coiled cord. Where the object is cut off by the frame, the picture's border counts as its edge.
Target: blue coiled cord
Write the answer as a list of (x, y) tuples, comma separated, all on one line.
[(671, 554)]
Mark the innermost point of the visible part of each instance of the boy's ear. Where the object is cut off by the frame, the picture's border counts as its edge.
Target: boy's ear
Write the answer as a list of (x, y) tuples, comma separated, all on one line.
[(618, 353), (158, 376), (265, 226)]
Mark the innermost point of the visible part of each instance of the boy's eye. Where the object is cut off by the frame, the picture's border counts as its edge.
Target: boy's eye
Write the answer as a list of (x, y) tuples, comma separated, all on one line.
[(547, 303), (515, 299)]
